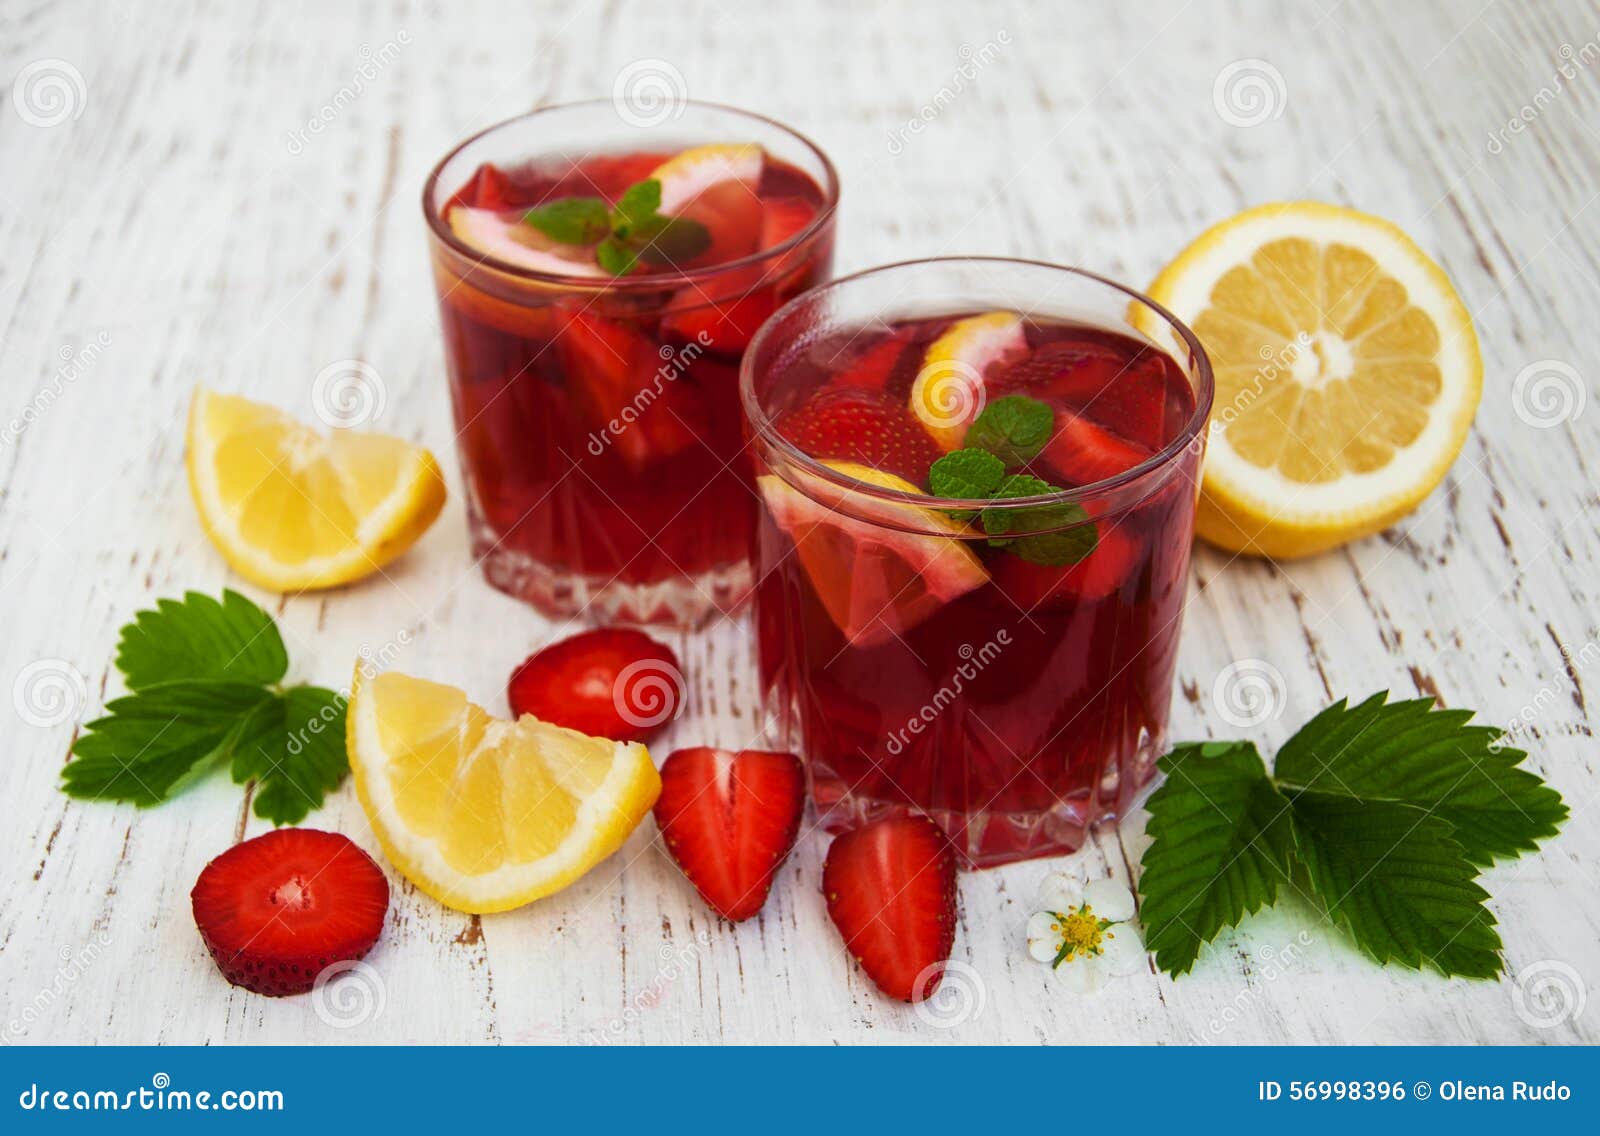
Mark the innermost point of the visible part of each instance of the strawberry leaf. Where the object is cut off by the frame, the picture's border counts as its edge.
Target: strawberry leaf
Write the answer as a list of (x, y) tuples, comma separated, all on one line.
[(199, 638), (292, 746), (1411, 753), (1222, 846)]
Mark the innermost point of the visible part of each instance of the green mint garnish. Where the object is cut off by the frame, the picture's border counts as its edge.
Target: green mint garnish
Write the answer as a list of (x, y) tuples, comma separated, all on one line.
[(1014, 429), (623, 235), (1384, 813), (979, 474), (204, 677)]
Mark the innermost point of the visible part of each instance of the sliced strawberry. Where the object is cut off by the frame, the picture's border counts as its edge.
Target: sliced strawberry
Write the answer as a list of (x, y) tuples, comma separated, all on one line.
[(783, 217), (488, 188), (278, 910), (891, 891), (855, 425), (634, 405), (613, 682), (1083, 452), (869, 369), (1125, 392), (1097, 575), (726, 326), (729, 820)]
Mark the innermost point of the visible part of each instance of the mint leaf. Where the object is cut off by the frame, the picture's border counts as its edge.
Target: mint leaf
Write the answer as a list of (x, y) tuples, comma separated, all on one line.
[(150, 743), (1397, 880), (292, 746), (204, 677), (639, 204), (966, 474), (672, 240), (199, 638), (1055, 549), (1054, 535), (1014, 429), (571, 220), (1411, 753), (615, 256), (1222, 846)]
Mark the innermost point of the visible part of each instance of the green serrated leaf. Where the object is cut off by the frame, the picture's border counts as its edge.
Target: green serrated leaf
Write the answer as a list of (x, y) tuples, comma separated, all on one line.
[(1222, 845), (200, 638), (615, 256), (571, 220), (151, 742), (1411, 753), (1013, 428), (966, 475), (1395, 878), (671, 240), (639, 203), (293, 748)]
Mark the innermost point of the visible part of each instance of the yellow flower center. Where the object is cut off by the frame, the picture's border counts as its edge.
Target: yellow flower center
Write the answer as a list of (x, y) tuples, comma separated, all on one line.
[(1082, 933)]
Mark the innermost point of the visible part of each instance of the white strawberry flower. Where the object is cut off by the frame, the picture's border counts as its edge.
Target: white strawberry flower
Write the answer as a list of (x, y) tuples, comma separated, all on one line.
[(1085, 931)]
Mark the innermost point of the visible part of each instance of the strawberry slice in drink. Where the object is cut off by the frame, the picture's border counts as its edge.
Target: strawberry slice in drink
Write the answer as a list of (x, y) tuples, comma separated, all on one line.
[(716, 185), (857, 425), (632, 401), (1094, 577), (1083, 452), (1094, 379)]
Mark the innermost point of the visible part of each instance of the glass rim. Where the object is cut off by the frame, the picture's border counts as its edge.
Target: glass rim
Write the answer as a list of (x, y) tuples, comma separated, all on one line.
[(654, 281), (766, 429)]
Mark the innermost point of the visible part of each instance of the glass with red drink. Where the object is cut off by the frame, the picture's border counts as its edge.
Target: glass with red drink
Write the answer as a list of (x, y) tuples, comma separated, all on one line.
[(979, 480), (598, 282)]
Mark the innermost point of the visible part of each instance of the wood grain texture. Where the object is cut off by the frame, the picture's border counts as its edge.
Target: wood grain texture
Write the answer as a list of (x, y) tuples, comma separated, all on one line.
[(185, 220)]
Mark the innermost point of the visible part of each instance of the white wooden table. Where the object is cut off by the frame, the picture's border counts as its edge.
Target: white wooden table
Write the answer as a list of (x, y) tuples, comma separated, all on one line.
[(228, 194)]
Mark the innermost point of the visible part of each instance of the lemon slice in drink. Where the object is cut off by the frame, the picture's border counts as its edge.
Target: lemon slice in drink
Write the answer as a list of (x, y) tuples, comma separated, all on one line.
[(948, 392), (290, 508), (481, 813), (1347, 374), (685, 176), (876, 579)]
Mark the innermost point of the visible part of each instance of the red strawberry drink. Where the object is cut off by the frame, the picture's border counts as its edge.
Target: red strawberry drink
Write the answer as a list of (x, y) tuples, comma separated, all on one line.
[(979, 482), (598, 282)]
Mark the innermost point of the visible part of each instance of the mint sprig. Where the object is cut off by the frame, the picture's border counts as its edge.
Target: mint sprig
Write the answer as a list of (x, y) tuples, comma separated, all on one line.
[(1010, 432), (622, 235), (1382, 813), (204, 677)]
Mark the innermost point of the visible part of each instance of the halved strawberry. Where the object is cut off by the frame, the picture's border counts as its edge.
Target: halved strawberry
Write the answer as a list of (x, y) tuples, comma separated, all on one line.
[(729, 819), (277, 910), (488, 188), (867, 369), (1083, 452), (1097, 575), (859, 426), (891, 891), (613, 682), (726, 326), (632, 403), (1128, 393)]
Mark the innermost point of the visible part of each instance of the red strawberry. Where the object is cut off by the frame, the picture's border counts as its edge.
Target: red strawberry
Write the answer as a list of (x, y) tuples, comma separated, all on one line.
[(891, 891), (728, 325), (277, 910), (1129, 392), (1097, 575), (613, 682), (871, 368), (632, 400), (729, 820), (1083, 452), (489, 188), (783, 217), (853, 425)]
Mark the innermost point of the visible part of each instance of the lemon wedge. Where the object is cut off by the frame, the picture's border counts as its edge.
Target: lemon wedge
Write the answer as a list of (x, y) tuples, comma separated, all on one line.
[(687, 175), (481, 813), (290, 508), (948, 392), (1347, 374)]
